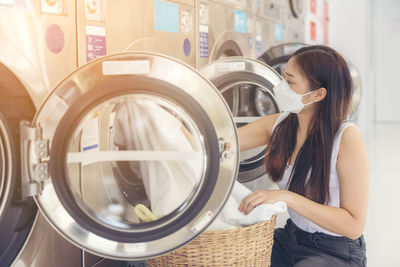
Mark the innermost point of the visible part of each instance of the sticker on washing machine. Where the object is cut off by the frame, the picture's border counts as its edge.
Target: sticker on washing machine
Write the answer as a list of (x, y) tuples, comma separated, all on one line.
[(203, 41), (186, 21), (240, 21), (52, 7), (231, 66), (203, 13), (137, 247), (325, 23), (95, 42), (166, 16), (313, 30), (258, 45), (313, 7), (90, 135), (93, 10), (278, 31), (126, 67), (21, 4)]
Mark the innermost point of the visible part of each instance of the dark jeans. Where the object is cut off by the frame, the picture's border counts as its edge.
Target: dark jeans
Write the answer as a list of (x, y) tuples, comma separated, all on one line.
[(295, 247)]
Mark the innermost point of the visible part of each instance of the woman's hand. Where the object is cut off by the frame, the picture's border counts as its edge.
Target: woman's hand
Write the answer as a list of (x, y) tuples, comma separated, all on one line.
[(259, 197)]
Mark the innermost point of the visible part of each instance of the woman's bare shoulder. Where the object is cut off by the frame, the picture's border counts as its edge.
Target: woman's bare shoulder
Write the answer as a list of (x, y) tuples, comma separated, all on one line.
[(351, 140)]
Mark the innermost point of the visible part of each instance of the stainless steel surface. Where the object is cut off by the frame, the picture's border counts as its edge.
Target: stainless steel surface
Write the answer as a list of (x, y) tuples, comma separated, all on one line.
[(46, 248), (247, 86), (277, 24), (223, 41), (129, 26), (37, 49), (83, 81), (23, 47)]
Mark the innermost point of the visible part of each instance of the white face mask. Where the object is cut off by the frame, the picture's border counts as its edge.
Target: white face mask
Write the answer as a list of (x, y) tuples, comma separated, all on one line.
[(287, 99)]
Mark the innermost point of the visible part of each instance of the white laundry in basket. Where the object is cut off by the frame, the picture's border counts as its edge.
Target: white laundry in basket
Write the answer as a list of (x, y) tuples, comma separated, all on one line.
[(231, 217)]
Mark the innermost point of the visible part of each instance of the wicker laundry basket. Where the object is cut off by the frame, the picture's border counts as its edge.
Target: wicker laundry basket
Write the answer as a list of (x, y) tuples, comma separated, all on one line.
[(248, 246)]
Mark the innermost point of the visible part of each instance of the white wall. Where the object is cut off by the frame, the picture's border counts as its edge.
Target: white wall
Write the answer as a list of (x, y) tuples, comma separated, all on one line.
[(386, 58), (367, 32), (349, 34)]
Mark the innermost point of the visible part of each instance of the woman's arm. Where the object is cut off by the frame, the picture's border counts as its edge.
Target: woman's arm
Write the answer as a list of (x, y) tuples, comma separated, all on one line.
[(257, 133), (353, 170)]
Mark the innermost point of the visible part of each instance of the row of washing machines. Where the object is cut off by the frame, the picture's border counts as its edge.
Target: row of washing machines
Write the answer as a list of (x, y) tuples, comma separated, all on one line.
[(84, 85)]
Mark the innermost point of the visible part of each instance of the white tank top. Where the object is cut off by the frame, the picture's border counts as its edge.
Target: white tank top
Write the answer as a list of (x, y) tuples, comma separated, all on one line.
[(334, 191)]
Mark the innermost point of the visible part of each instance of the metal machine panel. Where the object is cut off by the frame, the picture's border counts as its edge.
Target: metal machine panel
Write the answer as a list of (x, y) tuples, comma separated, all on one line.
[(225, 28), (160, 26), (37, 49), (38, 40), (248, 87)]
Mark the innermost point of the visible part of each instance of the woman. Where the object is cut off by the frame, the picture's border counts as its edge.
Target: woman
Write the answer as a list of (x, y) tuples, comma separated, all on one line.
[(319, 162)]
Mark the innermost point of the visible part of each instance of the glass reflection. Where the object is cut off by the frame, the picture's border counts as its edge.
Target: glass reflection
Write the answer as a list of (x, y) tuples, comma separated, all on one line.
[(249, 102), (135, 159)]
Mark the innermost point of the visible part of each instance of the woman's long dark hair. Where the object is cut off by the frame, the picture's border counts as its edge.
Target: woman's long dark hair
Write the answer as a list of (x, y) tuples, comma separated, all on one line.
[(322, 67)]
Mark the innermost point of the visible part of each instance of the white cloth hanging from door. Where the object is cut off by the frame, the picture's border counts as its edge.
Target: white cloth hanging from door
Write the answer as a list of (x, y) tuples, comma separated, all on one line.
[(145, 125)]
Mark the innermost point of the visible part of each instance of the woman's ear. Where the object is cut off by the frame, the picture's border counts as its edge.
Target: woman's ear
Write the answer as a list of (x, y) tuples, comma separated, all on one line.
[(319, 94)]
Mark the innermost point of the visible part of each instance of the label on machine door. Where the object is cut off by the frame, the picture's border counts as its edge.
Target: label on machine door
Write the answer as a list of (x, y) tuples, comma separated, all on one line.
[(126, 67), (90, 135), (231, 66)]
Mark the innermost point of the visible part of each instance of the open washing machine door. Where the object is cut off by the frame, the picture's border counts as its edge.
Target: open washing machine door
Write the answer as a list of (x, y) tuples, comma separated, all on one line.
[(278, 56), (247, 87), (114, 138)]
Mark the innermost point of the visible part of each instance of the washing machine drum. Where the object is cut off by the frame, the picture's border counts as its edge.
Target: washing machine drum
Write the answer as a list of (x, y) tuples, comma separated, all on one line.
[(134, 155), (247, 87)]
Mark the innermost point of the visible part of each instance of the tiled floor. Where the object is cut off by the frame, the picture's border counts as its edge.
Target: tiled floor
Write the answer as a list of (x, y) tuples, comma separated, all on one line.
[(382, 232)]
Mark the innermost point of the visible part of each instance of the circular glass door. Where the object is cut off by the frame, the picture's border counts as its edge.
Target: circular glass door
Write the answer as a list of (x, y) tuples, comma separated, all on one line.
[(247, 87), (140, 160)]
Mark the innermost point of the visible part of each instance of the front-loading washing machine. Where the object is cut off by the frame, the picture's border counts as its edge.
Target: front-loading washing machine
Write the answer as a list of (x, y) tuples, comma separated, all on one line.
[(33, 40), (278, 56), (225, 28), (247, 85), (279, 22), (104, 143)]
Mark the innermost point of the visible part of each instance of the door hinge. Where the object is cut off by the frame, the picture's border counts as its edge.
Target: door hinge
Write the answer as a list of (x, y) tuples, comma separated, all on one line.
[(225, 152), (34, 164)]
